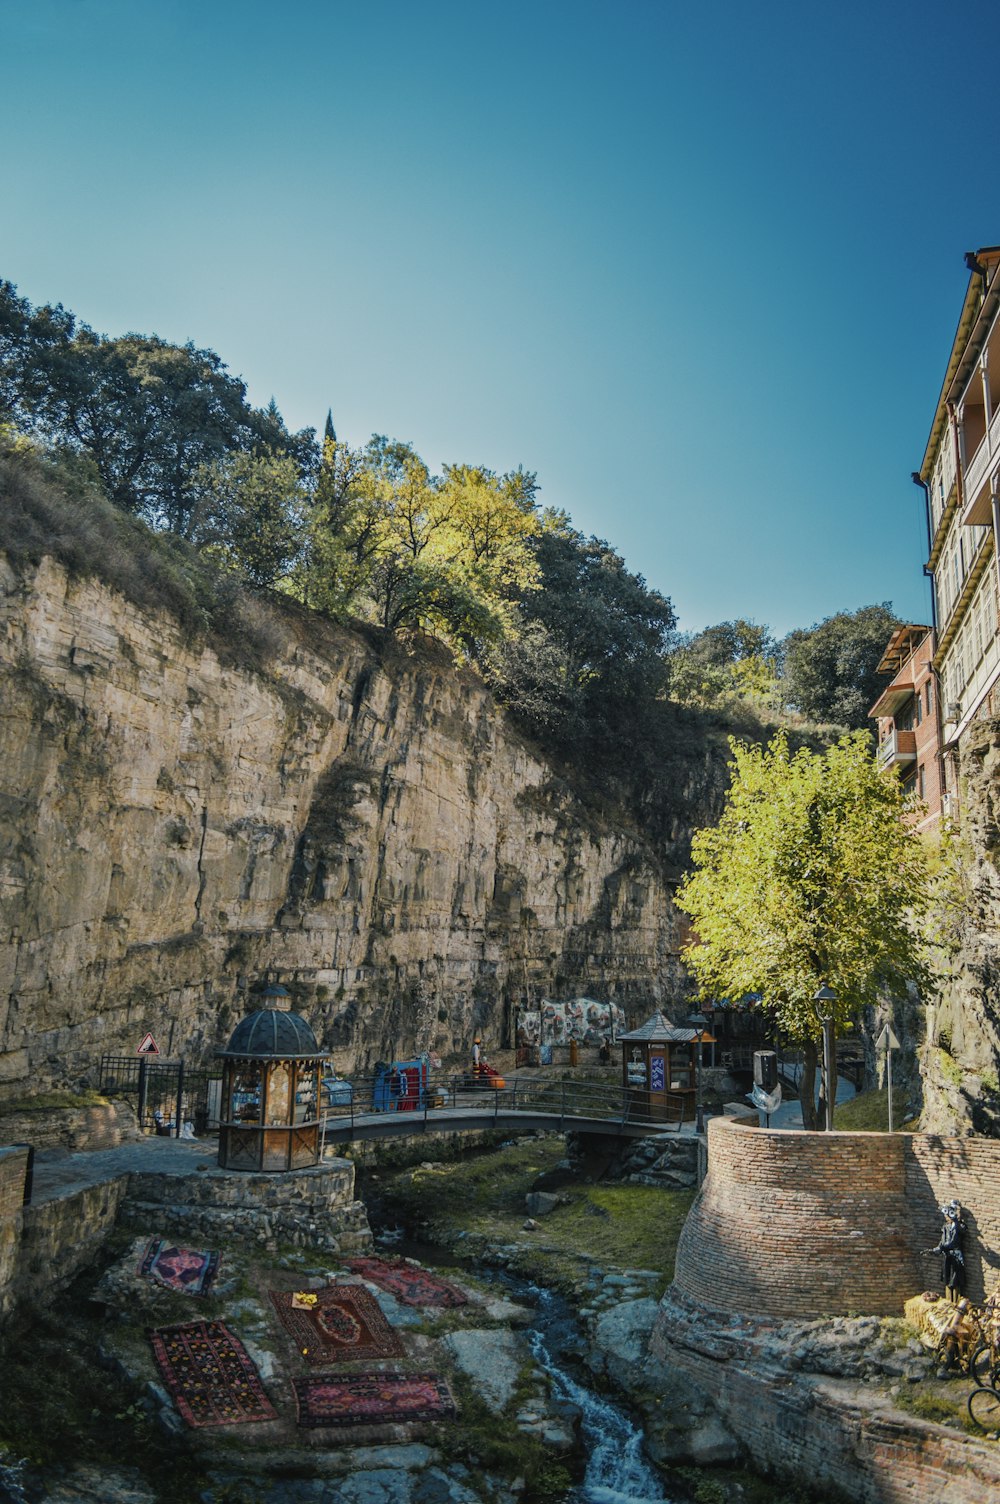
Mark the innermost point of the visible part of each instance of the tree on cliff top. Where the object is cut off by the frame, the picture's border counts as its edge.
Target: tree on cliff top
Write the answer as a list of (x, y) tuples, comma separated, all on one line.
[(831, 669), (148, 413), (810, 877)]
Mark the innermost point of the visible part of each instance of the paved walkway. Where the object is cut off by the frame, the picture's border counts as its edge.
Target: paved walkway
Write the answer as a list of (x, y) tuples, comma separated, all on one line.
[(58, 1173)]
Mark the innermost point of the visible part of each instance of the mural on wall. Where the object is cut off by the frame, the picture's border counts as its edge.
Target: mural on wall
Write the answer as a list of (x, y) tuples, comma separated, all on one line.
[(581, 1019)]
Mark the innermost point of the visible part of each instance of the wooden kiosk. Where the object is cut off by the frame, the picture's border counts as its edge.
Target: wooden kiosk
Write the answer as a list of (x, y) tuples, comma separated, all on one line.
[(659, 1070), (269, 1112)]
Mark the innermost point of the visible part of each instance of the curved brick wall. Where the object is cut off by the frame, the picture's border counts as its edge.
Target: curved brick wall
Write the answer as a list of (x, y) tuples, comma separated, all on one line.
[(814, 1224)]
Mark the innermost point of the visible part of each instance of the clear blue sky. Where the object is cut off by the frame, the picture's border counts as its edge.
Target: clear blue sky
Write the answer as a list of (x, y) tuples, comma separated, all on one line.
[(699, 266)]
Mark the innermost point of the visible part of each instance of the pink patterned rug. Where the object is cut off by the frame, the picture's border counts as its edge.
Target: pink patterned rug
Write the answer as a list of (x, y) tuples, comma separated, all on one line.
[(370, 1399), (190, 1270), (409, 1283)]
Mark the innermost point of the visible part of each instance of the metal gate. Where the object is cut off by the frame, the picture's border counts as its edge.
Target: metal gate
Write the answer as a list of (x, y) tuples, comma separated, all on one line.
[(165, 1093)]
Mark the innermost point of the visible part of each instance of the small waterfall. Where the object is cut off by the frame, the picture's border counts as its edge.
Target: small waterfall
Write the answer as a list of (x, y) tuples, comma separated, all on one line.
[(617, 1472)]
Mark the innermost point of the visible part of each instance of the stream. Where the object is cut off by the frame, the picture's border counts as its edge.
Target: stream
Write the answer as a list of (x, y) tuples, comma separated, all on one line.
[(616, 1470)]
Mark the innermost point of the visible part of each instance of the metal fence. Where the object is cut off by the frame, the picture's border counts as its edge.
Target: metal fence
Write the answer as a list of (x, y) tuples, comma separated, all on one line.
[(165, 1093), (565, 1100)]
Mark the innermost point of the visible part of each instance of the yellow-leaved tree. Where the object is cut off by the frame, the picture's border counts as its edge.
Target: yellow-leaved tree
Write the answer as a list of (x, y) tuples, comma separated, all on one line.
[(811, 878)]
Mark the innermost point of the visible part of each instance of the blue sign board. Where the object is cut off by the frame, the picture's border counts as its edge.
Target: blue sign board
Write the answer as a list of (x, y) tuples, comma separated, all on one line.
[(657, 1077)]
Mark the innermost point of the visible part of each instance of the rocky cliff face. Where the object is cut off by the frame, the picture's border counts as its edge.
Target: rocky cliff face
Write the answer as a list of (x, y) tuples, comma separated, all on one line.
[(360, 823), (961, 1054)]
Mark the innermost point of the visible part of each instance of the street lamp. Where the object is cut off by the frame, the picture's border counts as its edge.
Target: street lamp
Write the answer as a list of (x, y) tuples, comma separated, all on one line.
[(823, 1001), (699, 1021)]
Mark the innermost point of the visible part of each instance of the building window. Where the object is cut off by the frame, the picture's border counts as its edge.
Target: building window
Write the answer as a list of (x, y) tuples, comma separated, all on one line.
[(928, 696), (919, 708), (920, 781)]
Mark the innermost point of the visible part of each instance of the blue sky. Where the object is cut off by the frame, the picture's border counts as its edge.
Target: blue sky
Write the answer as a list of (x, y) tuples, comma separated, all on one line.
[(699, 267)]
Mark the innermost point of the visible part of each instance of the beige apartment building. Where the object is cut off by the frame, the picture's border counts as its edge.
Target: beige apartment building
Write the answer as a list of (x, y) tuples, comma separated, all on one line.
[(960, 474)]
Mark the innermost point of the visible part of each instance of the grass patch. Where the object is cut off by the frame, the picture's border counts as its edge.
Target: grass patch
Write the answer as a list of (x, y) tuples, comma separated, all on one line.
[(868, 1112), (939, 1404), (52, 505), (487, 1443), (53, 1101), (481, 1198), (57, 1403)]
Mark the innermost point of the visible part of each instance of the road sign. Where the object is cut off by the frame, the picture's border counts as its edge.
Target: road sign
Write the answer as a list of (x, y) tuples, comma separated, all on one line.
[(887, 1039), (148, 1046), (888, 1042)]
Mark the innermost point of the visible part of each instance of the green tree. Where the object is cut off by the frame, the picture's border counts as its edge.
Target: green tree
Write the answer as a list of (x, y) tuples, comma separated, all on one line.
[(148, 413), (415, 552), (249, 514), (830, 670), (811, 877), (735, 660), (586, 657)]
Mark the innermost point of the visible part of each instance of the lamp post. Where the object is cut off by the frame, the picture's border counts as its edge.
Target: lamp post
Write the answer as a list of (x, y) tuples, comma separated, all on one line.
[(699, 1021), (823, 1001)]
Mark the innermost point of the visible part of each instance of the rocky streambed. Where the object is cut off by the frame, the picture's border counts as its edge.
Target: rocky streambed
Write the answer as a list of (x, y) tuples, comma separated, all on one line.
[(567, 1388)]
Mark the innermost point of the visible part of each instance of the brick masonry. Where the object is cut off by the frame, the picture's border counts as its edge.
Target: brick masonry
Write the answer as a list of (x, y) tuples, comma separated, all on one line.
[(827, 1434), (822, 1224)]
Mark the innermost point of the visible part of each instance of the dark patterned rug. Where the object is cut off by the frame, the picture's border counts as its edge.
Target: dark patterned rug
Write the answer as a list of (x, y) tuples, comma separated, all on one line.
[(210, 1374), (408, 1282), (190, 1270), (370, 1399), (346, 1323)]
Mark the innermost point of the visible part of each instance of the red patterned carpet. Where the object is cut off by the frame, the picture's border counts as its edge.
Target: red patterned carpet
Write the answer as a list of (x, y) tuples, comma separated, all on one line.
[(414, 1286), (189, 1270), (369, 1399), (345, 1324), (210, 1375)]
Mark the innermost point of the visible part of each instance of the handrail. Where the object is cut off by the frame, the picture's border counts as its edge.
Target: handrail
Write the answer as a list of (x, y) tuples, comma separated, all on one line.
[(562, 1098)]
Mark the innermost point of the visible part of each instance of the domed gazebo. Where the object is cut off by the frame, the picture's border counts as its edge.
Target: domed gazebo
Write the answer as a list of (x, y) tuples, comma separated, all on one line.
[(269, 1110)]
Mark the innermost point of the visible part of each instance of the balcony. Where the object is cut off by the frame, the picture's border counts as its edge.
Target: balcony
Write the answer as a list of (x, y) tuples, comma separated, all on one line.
[(898, 747), (977, 475)]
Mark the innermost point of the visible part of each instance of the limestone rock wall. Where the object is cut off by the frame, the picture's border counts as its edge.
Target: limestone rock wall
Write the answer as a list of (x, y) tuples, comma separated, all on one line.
[(960, 1058), (359, 822)]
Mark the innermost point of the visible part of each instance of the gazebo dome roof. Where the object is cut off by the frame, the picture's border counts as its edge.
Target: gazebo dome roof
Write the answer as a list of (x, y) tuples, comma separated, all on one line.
[(272, 1033)]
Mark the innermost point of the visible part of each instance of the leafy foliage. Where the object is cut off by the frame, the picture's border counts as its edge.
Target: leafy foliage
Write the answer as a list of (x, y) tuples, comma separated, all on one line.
[(588, 655), (810, 877), (735, 660), (149, 414), (831, 669)]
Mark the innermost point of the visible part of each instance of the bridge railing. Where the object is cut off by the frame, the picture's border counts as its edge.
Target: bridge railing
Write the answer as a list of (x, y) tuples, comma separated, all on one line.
[(566, 1100)]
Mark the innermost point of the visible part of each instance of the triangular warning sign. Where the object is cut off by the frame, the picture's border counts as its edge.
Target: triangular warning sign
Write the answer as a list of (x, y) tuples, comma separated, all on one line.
[(148, 1046)]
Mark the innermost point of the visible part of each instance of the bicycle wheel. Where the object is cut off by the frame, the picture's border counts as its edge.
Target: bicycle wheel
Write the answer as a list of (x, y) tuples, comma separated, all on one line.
[(982, 1368), (984, 1407)]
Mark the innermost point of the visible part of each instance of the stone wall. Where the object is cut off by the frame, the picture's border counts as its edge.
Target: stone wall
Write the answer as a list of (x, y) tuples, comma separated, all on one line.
[(313, 1208), (75, 1128), (359, 821), (46, 1245), (824, 1430), (816, 1224)]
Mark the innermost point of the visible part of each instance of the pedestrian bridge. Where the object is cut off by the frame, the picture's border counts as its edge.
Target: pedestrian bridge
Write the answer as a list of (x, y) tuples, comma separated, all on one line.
[(520, 1106)]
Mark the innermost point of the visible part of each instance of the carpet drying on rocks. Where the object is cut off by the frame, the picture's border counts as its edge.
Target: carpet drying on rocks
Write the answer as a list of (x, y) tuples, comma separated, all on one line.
[(408, 1282), (341, 1324), (210, 1374), (371, 1399)]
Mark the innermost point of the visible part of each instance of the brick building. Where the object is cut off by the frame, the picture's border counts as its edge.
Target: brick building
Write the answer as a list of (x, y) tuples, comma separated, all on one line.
[(908, 726)]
